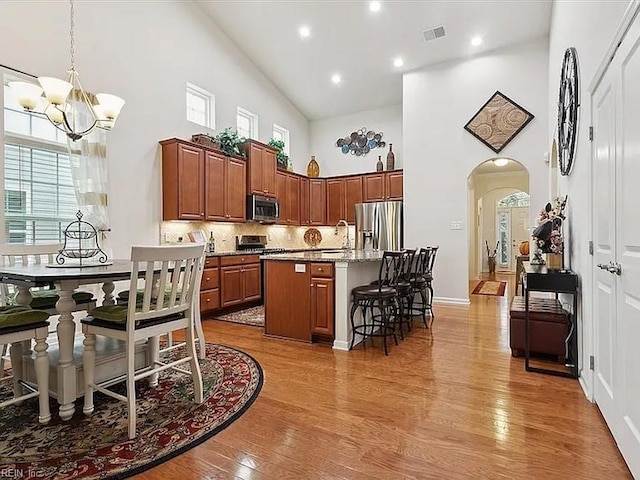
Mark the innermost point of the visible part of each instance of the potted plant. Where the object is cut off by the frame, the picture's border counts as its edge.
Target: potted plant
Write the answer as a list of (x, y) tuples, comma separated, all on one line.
[(230, 142), (282, 159), (548, 235)]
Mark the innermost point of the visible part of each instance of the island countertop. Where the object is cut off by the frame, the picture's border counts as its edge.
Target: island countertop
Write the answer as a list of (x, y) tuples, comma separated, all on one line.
[(348, 256)]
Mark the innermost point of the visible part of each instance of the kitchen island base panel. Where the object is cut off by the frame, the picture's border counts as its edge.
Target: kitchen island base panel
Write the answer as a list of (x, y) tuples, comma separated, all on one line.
[(348, 276)]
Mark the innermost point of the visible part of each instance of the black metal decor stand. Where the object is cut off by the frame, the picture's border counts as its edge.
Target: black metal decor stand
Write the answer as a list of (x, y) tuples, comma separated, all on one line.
[(538, 279)]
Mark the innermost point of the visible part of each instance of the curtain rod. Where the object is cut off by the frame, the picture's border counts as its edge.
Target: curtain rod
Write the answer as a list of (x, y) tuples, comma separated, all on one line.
[(17, 71)]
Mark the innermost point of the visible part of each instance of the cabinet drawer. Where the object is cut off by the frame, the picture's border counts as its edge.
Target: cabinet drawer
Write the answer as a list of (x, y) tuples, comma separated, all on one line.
[(239, 260), (210, 278), (211, 262), (210, 300), (324, 270)]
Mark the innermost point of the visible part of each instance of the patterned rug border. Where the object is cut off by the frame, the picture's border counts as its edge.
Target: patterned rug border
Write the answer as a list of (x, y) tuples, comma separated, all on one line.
[(501, 288), (204, 438)]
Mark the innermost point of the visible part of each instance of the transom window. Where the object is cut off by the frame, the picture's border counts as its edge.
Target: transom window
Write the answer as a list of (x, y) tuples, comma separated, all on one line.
[(282, 134), (39, 198), (247, 123), (201, 106), (519, 199)]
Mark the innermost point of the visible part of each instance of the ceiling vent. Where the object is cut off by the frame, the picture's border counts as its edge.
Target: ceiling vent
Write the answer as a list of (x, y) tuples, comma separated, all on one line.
[(433, 33)]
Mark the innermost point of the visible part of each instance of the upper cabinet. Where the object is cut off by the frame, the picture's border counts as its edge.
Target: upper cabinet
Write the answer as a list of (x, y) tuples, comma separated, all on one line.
[(288, 195), (342, 195), (352, 195), (317, 201), (201, 184), (261, 164), (382, 186)]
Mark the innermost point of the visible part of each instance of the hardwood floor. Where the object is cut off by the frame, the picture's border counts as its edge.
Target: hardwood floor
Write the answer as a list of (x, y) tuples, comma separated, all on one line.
[(448, 403)]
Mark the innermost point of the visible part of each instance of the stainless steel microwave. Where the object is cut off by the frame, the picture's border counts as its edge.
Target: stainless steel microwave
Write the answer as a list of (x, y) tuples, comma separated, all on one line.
[(262, 209)]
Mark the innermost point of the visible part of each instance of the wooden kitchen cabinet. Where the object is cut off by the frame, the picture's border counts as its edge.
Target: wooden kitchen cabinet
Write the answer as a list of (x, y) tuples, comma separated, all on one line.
[(322, 306), (293, 200), (261, 168), (342, 195), (304, 201), (353, 195), (201, 184), (379, 187), (317, 201), (281, 195), (240, 280), (210, 285)]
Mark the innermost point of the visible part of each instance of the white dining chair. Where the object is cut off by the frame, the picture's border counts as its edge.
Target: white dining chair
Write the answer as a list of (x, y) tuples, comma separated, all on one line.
[(167, 304)]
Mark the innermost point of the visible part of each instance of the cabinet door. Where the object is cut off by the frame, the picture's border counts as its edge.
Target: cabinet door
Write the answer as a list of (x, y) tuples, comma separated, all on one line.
[(251, 282), (353, 195), (256, 165), (317, 202), (335, 200), (210, 300), (269, 172), (287, 301), (373, 188), (304, 201), (281, 195), (190, 183), (322, 306), (235, 183), (214, 186), (394, 187), (231, 286), (293, 200)]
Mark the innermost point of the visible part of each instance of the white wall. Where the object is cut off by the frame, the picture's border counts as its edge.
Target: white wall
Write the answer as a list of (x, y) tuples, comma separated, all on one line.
[(437, 103), (589, 27), (145, 52), (324, 133)]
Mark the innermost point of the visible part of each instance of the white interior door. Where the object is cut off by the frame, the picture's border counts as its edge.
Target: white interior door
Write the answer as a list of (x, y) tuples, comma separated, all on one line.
[(616, 115), (519, 232), (503, 236), (628, 247)]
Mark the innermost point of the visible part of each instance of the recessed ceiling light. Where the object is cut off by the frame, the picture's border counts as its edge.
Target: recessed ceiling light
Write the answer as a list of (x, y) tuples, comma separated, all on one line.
[(336, 78), (304, 31), (500, 162), (374, 6), (476, 41), (398, 62)]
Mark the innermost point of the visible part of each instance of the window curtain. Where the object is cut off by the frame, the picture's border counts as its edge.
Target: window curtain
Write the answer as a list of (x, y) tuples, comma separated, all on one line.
[(89, 173)]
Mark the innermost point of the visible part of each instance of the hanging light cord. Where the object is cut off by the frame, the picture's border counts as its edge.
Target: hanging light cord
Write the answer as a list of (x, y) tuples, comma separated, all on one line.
[(72, 35)]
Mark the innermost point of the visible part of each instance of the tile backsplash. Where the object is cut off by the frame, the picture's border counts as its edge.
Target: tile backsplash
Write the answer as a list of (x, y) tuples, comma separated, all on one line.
[(278, 236)]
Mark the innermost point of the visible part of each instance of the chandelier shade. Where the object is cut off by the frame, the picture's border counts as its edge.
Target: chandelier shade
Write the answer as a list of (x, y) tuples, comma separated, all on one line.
[(63, 98)]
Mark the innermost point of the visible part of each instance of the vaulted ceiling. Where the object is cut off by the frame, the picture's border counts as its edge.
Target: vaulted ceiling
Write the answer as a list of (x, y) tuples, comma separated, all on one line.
[(360, 45)]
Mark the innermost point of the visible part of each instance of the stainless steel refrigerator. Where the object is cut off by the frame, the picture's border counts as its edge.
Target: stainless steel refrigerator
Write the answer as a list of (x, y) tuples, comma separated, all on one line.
[(379, 226)]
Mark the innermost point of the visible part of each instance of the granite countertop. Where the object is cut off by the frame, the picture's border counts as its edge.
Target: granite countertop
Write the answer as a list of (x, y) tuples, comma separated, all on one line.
[(349, 256), (258, 252)]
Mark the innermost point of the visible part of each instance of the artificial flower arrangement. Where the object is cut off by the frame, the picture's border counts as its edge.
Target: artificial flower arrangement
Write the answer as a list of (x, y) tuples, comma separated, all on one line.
[(548, 235)]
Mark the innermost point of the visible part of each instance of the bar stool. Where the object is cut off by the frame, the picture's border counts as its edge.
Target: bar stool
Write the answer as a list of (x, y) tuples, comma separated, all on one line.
[(403, 288), (429, 278), (382, 296), (17, 325), (419, 284)]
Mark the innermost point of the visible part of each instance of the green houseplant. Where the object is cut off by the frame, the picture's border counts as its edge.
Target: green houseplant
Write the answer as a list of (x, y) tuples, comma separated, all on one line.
[(230, 142), (282, 159)]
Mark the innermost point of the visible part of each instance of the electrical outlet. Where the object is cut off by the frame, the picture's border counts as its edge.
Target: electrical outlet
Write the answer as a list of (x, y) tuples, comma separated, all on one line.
[(456, 225)]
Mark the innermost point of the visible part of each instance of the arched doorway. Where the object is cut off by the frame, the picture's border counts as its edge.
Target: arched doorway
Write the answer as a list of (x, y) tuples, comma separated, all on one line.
[(499, 214)]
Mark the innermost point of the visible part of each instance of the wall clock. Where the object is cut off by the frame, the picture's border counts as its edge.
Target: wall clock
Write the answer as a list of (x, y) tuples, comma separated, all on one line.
[(568, 104)]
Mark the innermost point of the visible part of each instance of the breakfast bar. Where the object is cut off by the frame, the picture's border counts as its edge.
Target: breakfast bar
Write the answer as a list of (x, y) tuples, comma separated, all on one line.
[(308, 294)]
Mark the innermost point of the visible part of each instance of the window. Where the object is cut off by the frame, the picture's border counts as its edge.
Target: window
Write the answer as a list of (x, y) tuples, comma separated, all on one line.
[(281, 133), (247, 123), (39, 198), (201, 106), (520, 199)]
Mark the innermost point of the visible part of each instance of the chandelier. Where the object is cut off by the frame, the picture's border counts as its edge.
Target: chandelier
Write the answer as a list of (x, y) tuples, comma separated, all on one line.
[(62, 99)]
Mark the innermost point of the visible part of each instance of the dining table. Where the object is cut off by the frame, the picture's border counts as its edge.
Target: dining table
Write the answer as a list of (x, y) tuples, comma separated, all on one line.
[(66, 280)]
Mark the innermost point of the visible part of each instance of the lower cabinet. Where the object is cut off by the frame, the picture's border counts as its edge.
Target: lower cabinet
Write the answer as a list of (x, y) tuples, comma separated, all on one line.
[(239, 280), (210, 285), (299, 300)]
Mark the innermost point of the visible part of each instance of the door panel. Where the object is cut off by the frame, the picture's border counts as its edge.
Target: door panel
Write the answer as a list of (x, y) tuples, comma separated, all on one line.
[(317, 202), (606, 383), (231, 286), (281, 195), (256, 169), (374, 188), (293, 200), (335, 200), (214, 187), (251, 282), (503, 234), (322, 306), (236, 188), (304, 201), (628, 248), (353, 195), (519, 232), (269, 172), (394, 186), (190, 174)]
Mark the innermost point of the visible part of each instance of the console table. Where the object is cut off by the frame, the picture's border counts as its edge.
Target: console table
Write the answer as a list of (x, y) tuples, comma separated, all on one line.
[(537, 278)]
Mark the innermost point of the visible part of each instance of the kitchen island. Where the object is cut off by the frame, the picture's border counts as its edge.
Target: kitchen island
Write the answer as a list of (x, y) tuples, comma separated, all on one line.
[(308, 294)]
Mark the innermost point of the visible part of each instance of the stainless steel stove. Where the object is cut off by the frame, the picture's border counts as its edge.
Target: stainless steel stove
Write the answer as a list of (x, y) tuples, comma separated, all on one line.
[(255, 244)]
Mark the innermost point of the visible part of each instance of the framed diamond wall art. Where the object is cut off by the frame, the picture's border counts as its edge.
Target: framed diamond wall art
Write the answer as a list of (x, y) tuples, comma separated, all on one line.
[(498, 121)]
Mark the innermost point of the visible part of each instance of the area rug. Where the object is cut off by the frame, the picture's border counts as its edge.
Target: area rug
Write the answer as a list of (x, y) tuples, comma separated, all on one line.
[(489, 287), (249, 316), (98, 447)]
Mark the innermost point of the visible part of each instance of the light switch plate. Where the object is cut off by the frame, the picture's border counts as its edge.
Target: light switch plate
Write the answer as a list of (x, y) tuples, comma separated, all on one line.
[(300, 268), (456, 225)]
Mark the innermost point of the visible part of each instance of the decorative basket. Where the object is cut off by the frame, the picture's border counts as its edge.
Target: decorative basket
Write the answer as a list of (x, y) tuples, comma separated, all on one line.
[(554, 261), (205, 140)]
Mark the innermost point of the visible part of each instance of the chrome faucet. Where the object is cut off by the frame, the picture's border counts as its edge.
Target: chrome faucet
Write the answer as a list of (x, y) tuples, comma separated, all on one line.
[(347, 244)]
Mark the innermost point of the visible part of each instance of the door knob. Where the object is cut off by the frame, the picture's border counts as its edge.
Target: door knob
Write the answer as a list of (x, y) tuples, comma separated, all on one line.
[(615, 268), (602, 266)]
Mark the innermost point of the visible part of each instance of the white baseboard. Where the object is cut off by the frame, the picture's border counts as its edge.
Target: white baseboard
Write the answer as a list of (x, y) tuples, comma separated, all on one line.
[(338, 345), (452, 301)]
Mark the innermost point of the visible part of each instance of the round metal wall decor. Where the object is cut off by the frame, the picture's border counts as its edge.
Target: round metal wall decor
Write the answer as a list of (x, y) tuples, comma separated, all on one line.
[(568, 104)]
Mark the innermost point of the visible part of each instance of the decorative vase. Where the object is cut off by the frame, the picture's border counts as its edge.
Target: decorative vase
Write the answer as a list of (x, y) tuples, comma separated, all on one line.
[(379, 165), (313, 169), (492, 264), (554, 261), (524, 248), (391, 158)]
